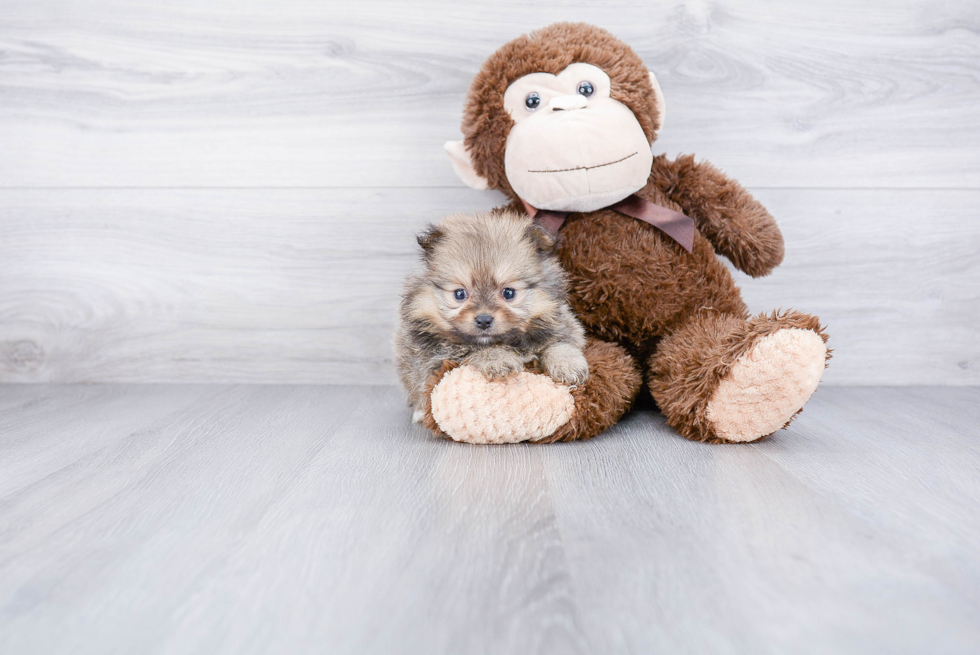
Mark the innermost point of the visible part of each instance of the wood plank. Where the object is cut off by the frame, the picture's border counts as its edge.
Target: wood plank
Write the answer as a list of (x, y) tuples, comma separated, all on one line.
[(852, 531), (285, 519), (292, 93), (302, 285), (207, 285), (34, 424), (298, 519)]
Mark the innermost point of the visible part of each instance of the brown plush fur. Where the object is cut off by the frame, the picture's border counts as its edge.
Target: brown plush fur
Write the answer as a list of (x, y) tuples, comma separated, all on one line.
[(614, 381), (679, 313), (736, 224)]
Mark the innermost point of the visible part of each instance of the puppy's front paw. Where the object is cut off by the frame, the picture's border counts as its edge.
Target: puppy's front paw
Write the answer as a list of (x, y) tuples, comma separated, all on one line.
[(495, 364), (565, 364)]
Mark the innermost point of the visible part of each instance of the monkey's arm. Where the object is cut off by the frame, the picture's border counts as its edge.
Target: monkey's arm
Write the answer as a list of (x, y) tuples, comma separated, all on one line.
[(735, 223)]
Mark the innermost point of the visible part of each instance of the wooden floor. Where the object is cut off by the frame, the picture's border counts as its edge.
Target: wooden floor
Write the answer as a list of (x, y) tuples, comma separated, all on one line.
[(295, 519)]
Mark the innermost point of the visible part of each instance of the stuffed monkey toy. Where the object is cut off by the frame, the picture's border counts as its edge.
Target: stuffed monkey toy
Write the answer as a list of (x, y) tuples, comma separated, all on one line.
[(562, 121)]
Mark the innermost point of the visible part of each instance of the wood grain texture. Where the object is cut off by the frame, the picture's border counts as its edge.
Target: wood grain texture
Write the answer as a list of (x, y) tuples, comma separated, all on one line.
[(270, 519), (302, 285), (147, 232), (298, 93)]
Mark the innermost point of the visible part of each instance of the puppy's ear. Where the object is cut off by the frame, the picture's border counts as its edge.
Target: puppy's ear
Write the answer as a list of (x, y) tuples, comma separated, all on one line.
[(542, 239), (429, 239)]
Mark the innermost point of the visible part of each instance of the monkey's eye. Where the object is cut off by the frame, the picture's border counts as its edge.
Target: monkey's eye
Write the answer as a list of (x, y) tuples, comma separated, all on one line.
[(509, 293), (459, 294), (532, 101), (586, 89)]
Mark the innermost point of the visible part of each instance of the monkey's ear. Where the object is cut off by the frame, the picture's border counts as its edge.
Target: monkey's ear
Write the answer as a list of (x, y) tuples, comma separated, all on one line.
[(661, 106), (429, 239), (463, 166)]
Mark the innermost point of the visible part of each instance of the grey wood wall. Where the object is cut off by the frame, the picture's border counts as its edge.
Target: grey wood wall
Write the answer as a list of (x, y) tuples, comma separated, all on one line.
[(208, 190)]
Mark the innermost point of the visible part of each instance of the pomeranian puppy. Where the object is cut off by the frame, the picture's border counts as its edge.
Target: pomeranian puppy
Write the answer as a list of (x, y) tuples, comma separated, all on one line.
[(490, 293)]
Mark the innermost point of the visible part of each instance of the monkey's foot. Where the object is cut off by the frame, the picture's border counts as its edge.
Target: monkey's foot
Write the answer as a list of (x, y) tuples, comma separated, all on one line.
[(523, 407), (767, 385), (530, 406)]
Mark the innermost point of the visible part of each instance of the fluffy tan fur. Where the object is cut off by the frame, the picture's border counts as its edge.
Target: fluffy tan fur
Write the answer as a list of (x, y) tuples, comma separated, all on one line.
[(491, 294)]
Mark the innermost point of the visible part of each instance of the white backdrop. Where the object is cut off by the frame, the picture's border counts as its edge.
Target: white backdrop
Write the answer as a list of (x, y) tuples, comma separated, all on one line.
[(207, 190)]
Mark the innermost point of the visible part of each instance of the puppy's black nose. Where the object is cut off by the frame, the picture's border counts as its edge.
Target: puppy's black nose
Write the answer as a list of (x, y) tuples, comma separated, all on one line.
[(484, 321)]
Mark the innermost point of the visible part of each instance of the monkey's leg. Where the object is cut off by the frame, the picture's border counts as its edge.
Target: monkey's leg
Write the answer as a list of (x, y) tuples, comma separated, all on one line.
[(722, 379), (531, 406), (613, 382)]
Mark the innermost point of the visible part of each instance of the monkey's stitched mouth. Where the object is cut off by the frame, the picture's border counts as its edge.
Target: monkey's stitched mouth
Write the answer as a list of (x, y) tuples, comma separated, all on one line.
[(584, 168)]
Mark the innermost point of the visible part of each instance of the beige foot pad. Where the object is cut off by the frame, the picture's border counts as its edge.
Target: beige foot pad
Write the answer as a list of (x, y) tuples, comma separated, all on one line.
[(523, 407), (767, 385)]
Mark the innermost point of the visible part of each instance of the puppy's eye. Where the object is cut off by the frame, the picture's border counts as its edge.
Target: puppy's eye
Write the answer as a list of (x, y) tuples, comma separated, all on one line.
[(509, 294), (459, 294), (532, 101), (586, 89)]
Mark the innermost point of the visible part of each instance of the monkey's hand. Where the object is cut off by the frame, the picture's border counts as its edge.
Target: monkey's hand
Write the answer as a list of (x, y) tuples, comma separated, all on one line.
[(496, 363), (565, 364)]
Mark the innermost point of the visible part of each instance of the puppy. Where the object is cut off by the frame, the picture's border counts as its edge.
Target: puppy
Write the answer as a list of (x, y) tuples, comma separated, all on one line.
[(491, 294)]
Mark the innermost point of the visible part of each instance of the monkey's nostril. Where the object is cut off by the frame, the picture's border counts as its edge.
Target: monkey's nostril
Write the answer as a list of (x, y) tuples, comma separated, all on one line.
[(484, 321), (565, 103)]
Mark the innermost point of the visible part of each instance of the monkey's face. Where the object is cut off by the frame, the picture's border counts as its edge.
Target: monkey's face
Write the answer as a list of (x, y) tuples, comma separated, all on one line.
[(562, 118), (572, 146)]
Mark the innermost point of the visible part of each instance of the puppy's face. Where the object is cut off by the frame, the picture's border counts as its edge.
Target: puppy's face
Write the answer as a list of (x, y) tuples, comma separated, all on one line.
[(492, 278)]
